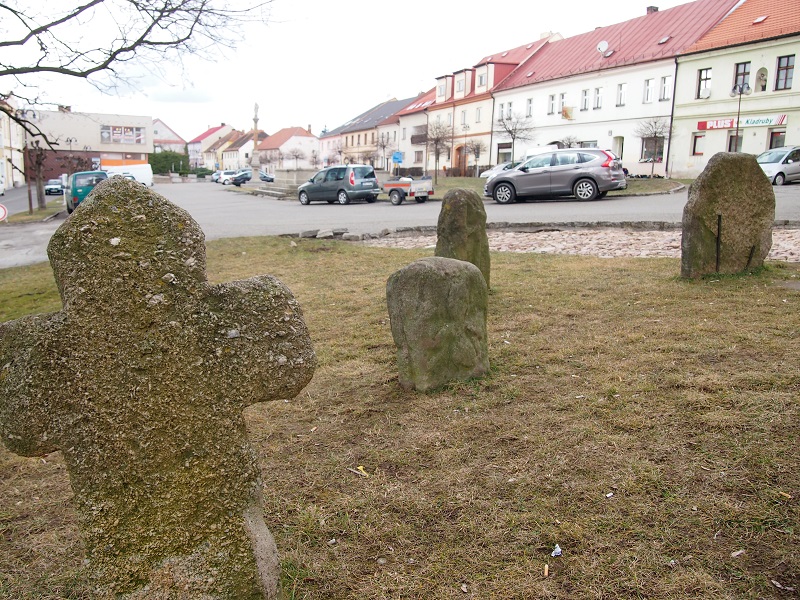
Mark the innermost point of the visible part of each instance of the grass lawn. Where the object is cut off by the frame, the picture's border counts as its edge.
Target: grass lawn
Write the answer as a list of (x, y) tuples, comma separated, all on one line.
[(646, 424)]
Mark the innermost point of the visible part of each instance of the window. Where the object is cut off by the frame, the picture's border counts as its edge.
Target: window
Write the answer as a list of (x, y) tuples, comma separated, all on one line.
[(584, 99), (404, 133), (373, 137), (529, 107), (116, 134), (562, 102), (482, 79), (508, 110), (460, 85), (449, 120), (463, 117), (783, 78), (622, 92), (653, 149), (777, 138), (742, 74), (551, 104), (649, 89), (698, 141), (359, 139), (665, 90), (598, 98), (417, 156), (440, 90), (703, 83), (394, 135), (500, 112), (478, 115)]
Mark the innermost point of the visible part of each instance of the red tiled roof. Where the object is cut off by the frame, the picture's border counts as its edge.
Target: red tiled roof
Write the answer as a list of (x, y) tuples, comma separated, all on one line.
[(244, 139), (229, 137), (514, 56), (279, 138), (203, 136), (740, 26), (419, 104), (658, 35)]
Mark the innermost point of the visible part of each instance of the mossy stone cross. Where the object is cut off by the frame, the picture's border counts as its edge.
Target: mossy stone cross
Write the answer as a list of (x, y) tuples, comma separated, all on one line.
[(141, 381)]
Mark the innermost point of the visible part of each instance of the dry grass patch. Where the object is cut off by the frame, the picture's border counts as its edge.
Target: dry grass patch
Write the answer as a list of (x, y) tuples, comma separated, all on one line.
[(646, 424)]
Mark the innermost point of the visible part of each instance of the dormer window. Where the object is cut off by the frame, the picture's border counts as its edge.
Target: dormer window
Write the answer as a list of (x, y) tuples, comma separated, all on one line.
[(460, 85), (481, 79)]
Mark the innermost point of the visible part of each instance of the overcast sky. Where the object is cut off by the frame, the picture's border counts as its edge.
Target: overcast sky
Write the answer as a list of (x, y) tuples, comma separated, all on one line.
[(321, 63)]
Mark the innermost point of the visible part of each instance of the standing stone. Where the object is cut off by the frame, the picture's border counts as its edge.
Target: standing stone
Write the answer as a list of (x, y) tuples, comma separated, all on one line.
[(731, 192), (461, 231), (140, 380), (437, 308)]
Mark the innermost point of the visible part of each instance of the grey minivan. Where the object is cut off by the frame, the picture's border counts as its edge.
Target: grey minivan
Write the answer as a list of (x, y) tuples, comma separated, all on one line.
[(781, 165), (341, 183), (586, 173)]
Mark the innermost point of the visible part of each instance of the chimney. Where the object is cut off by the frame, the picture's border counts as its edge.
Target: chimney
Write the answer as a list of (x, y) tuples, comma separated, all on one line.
[(309, 128), (652, 9)]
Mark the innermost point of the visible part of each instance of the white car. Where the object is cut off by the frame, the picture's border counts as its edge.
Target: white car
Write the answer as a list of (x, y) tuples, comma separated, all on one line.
[(489, 173), (53, 186), (781, 165), (225, 177)]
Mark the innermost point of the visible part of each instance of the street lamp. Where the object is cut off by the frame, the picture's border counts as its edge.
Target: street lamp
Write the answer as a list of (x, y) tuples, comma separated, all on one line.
[(739, 89), (465, 128), (25, 115)]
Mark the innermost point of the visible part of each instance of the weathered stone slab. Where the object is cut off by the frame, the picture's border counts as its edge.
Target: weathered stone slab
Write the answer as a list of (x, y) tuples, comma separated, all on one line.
[(437, 308), (731, 200), (140, 380), (461, 230)]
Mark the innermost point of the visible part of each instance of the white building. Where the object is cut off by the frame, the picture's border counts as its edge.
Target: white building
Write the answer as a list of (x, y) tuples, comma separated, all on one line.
[(290, 148), (752, 51)]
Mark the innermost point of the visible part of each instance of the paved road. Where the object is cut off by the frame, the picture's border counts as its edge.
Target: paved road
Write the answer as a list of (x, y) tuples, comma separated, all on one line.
[(222, 212)]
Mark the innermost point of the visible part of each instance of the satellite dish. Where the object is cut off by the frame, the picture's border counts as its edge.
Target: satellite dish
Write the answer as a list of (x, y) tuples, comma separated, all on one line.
[(602, 47)]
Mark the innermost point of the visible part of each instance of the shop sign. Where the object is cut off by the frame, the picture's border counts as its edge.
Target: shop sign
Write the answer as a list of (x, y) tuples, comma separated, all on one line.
[(730, 123)]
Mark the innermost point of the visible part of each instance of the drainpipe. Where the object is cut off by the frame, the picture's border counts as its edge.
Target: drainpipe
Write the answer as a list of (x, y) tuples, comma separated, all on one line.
[(671, 119), (491, 129)]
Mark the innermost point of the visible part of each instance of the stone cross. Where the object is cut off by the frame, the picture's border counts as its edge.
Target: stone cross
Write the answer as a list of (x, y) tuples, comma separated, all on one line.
[(141, 381)]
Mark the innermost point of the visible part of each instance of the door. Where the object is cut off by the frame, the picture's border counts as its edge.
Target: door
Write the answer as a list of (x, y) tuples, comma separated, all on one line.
[(532, 177), (314, 190), (331, 185), (566, 169), (792, 166)]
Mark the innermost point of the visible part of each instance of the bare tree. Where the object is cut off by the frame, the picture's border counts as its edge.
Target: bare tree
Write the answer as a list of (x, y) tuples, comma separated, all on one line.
[(440, 137), (384, 145), (314, 158), (516, 128), (296, 154), (569, 141), (476, 147), (653, 131), (47, 39)]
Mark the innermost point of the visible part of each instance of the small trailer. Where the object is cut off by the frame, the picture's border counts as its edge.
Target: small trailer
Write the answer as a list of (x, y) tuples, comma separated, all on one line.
[(399, 188)]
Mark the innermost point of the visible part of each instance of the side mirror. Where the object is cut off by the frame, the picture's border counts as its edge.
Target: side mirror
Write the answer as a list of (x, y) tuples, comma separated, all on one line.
[(523, 169), (311, 180), (789, 161)]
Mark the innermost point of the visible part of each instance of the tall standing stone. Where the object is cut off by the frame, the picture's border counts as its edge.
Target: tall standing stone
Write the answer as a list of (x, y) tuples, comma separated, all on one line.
[(461, 230), (140, 380), (437, 307), (727, 221)]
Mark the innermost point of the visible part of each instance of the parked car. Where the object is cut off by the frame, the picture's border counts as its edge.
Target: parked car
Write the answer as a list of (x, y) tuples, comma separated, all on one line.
[(80, 184), (245, 176), (489, 173), (586, 173), (781, 165), (341, 183), (215, 176), (53, 186), (225, 177)]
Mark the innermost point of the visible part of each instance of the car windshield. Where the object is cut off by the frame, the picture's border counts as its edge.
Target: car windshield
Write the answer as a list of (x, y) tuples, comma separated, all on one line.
[(770, 156), (364, 172), (53, 182)]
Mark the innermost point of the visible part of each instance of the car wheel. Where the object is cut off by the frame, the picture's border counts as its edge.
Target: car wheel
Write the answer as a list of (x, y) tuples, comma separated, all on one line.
[(504, 193), (421, 199), (304, 199), (371, 199), (342, 197), (396, 197), (585, 189), (602, 194), (780, 179)]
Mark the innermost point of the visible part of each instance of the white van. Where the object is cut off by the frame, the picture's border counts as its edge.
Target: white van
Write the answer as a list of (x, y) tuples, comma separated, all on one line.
[(141, 173)]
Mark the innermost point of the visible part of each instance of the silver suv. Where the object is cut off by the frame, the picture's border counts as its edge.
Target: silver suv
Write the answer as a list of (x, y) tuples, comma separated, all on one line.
[(781, 165), (341, 183), (586, 173)]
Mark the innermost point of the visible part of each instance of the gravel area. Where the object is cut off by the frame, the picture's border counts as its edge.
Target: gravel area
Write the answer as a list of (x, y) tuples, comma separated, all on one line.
[(595, 242)]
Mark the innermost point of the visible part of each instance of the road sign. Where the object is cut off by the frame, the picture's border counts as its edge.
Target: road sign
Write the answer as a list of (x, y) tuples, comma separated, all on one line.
[(3, 212), (397, 157)]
